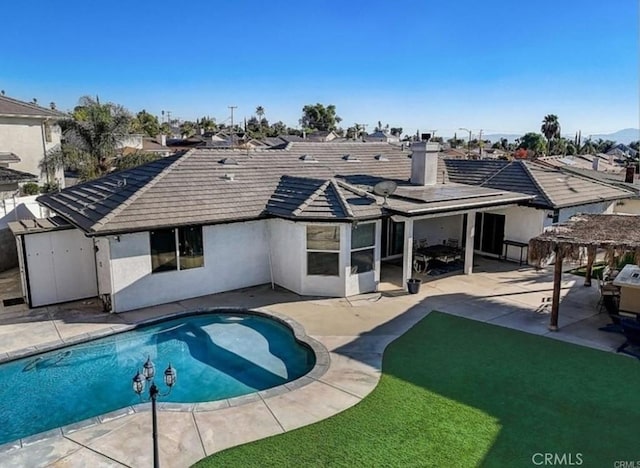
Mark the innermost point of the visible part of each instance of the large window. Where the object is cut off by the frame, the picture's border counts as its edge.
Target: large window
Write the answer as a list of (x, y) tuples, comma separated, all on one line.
[(363, 241), (323, 250), (176, 249)]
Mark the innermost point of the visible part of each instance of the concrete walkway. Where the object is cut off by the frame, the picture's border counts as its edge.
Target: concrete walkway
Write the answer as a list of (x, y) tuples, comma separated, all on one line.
[(354, 331)]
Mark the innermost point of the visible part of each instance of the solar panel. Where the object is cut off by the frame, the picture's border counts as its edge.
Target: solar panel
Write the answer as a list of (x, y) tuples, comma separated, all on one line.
[(441, 193)]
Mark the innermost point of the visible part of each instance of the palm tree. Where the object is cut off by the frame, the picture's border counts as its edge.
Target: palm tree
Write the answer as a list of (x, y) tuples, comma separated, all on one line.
[(91, 138), (550, 128)]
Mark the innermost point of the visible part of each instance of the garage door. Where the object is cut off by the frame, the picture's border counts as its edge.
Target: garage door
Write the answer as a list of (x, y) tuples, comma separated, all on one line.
[(61, 267)]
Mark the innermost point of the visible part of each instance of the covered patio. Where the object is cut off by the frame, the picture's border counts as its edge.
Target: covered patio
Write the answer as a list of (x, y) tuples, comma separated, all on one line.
[(580, 239)]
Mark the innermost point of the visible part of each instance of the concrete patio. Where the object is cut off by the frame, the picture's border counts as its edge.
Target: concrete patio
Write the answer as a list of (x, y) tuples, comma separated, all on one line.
[(355, 331)]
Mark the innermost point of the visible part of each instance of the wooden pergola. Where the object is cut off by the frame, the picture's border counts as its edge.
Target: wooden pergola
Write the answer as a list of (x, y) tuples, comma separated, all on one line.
[(581, 237)]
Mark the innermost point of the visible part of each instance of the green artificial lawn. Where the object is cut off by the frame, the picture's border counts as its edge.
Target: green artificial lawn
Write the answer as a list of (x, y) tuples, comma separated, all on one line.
[(456, 392)]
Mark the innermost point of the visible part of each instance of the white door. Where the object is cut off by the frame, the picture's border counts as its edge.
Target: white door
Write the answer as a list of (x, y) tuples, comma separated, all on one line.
[(60, 267)]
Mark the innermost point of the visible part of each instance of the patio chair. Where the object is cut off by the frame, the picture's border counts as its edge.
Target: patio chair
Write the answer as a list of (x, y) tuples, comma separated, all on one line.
[(607, 290), (631, 331)]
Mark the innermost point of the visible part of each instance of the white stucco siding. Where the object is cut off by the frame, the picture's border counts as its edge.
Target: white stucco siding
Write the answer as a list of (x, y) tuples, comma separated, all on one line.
[(235, 256), (103, 268), (521, 224), (25, 138), (287, 242), (591, 208), (438, 230)]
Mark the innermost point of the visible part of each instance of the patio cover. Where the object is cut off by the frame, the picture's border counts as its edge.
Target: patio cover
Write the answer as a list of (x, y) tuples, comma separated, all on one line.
[(582, 235)]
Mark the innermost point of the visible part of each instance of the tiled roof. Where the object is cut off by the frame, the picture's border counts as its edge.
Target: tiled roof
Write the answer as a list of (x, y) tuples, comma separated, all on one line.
[(302, 197), (11, 175), (196, 188), (551, 187), (10, 106)]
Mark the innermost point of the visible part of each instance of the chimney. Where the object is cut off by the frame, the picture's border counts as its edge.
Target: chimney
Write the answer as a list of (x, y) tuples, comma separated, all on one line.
[(595, 162), (163, 140), (424, 163)]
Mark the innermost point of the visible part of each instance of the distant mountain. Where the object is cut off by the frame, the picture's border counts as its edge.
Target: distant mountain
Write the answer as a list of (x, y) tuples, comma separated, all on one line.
[(625, 136)]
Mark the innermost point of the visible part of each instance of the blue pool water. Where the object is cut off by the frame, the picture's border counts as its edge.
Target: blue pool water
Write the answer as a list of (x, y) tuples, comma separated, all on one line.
[(216, 356)]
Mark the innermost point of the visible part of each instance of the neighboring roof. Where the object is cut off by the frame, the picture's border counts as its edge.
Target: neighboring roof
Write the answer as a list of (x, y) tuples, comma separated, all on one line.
[(7, 157), (11, 175), (612, 178), (619, 233), (13, 107), (32, 226), (197, 188), (551, 187)]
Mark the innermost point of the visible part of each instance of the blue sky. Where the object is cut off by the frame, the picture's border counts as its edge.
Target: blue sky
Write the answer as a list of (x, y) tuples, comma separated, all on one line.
[(494, 65)]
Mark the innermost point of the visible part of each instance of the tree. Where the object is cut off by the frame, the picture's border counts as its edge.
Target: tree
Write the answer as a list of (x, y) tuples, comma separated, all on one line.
[(145, 123), (533, 142), (635, 145), (187, 129), (278, 128), (207, 124), (91, 138), (550, 129), (603, 146), (396, 131), (260, 112), (319, 117), (134, 159)]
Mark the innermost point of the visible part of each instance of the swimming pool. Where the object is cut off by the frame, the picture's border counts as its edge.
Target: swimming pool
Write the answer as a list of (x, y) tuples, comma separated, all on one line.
[(216, 355)]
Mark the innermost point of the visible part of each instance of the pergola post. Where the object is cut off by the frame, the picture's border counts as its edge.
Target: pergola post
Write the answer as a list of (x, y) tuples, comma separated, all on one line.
[(407, 254), (468, 247), (591, 256), (557, 282)]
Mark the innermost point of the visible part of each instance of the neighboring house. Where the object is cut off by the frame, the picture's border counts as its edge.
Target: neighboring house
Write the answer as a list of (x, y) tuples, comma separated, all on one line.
[(29, 131), (382, 136), (11, 210), (305, 218), (597, 162), (557, 195), (322, 136)]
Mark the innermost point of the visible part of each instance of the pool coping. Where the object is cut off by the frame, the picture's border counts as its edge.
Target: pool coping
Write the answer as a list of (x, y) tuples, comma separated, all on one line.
[(323, 361)]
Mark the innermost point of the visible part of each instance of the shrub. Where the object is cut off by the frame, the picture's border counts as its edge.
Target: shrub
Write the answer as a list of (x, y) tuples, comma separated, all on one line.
[(30, 188)]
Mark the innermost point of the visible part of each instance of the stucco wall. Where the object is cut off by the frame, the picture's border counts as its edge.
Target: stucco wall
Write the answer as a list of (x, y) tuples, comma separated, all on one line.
[(521, 224), (592, 208), (287, 241), (24, 137), (631, 206), (438, 230), (235, 256)]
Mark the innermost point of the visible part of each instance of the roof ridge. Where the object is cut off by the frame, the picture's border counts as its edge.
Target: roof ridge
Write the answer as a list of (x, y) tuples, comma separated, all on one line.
[(311, 198), (343, 201), (120, 208)]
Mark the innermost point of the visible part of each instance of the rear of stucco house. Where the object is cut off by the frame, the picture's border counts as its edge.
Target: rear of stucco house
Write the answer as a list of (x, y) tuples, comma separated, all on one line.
[(304, 218)]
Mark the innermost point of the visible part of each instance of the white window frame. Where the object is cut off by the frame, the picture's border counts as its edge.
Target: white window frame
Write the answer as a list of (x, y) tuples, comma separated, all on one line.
[(369, 247), (308, 250)]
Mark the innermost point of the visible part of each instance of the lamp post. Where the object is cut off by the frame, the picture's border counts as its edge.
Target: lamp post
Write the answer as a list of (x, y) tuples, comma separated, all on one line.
[(469, 142), (148, 372)]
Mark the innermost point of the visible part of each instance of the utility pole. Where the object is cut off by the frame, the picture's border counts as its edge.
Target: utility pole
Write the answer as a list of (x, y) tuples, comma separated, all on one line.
[(232, 134), (480, 143), (469, 142)]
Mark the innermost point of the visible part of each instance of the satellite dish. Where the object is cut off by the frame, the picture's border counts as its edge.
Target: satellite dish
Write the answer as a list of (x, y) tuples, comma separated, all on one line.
[(384, 189)]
